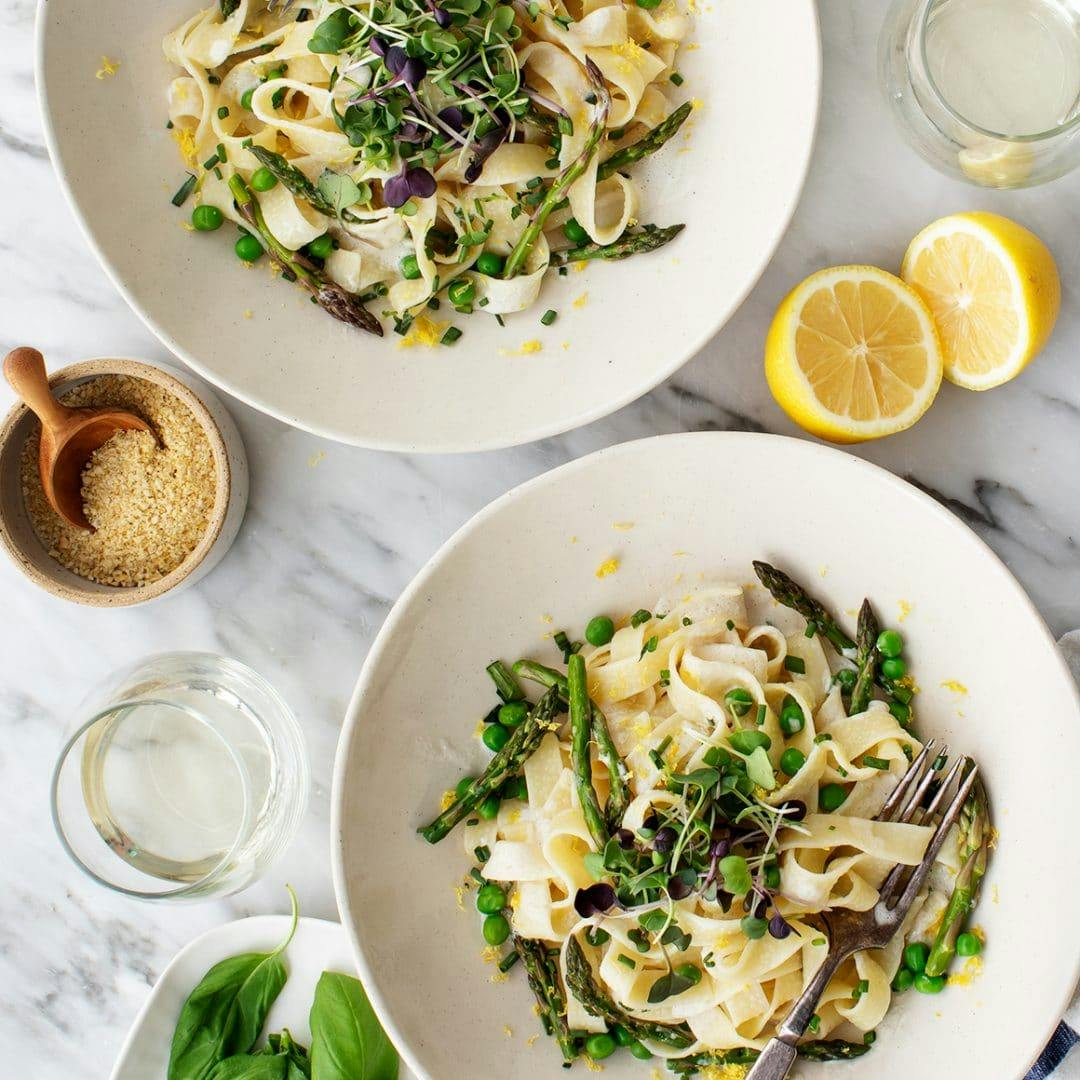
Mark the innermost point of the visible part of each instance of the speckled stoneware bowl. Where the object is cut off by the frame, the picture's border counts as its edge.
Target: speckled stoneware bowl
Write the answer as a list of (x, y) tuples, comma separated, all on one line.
[(17, 534)]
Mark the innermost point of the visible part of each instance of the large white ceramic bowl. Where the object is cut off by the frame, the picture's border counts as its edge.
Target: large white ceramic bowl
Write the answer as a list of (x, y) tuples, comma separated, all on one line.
[(757, 73), (705, 504)]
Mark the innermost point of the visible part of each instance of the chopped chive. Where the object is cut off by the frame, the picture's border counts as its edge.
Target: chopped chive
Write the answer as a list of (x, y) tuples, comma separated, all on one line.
[(908, 753), (818, 941), (552, 163), (640, 616), (450, 336), (869, 1038), (939, 762), (615, 134), (664, 744), (168, 125), (434, 303), (649, 646), (811, 628), (217, 173), (863, 987), (548, 317), (222, 156), (872, 762), (210, 162), (795, 664), (184, 190), (508, 961), (477, 876), (483, 302), (626, 961), (730, 624), (223, 112), (676, 78), (499, 320), (562, 271), (535, 182), (761, 713), (213, 80), (665, 677), (822, 736), (815, 1020), (482, 853)]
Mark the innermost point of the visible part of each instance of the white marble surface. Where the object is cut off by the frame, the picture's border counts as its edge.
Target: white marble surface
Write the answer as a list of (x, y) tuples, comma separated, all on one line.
[(334, 533)]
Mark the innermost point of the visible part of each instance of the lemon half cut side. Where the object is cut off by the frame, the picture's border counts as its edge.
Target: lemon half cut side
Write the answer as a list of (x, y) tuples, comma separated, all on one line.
[(853, 354)]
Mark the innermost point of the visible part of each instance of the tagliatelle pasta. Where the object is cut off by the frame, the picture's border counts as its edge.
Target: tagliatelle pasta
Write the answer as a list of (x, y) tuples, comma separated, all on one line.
[(678, 874), (392, 152)]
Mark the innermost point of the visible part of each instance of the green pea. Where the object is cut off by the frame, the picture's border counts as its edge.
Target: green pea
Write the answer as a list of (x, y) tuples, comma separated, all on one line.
[(847, 678), (575, 232), (792, 760), (463, 786), (489, 808), (207, 218), (515, 788), (831, 797), (738, 701), (491, 899), (915, 957), (968, 945), (461, 293), (322, 247), (410, 268), (491, 264), (599, 631), (901, 711), (640, 1051), (496, 929), (622, 1036), (903, 980), (263, 179), (248, 248), (599, 1046), (929, 984), (792, 720), (512, 713), (495, 736), (746, 742), (245, 98), (893, 668), (890, 644)]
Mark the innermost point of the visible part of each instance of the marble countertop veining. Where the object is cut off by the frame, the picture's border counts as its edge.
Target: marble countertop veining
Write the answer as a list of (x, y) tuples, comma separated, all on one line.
[(334, 533)]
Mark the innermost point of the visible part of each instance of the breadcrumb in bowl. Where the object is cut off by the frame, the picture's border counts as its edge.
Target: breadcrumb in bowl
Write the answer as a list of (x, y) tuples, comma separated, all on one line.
[(185, 540)]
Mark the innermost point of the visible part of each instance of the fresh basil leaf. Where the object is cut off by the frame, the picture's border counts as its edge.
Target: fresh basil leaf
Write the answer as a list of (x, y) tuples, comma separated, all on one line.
[(251, 1067), (338, 190), (332, 33), (224, 1014), (347, 1042)]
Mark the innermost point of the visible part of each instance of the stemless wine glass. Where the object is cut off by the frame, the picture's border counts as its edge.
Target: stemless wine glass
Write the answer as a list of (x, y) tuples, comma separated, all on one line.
[(182, 777), (986, 90)]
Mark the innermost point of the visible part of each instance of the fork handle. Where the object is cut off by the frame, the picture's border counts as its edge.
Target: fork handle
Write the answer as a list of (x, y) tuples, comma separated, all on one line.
[(780, 1051)]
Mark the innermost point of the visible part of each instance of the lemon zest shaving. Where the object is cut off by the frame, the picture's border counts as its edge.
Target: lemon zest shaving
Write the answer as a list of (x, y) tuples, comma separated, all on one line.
[(108, 69)]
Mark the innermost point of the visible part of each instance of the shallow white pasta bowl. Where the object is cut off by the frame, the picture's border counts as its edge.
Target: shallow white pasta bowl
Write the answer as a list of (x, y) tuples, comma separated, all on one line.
[(622, 327), (673, 511)]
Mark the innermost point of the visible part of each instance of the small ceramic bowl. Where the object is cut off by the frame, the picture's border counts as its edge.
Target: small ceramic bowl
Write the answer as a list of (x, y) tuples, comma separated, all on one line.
[(17, 534)]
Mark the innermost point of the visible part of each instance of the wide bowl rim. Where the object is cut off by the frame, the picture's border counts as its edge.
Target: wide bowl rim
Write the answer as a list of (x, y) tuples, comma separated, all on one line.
[(523, 434), (421, 581), (127, 596)]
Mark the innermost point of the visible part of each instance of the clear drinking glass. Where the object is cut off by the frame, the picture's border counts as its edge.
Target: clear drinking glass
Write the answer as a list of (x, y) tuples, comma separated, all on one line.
[(182, 777), (986, 90)]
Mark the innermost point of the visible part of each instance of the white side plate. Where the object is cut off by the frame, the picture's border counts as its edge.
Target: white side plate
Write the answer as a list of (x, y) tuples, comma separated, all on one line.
[(317, 947)]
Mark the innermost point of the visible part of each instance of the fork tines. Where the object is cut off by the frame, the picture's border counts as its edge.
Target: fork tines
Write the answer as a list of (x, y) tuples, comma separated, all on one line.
[(905, 804)]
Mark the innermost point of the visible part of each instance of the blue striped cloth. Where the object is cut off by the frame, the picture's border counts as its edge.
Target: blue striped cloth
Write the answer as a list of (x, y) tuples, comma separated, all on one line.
[(1062, 1041)]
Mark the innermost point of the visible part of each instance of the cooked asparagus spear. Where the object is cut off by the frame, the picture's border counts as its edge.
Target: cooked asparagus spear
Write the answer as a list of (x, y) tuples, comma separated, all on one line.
[(543, 978), (580, 979), (292, 179), (973, 835), (792, 595), (332, 298), (580, 738), (820, 1050), (866, 659), (630, 243), (619, 795), (645, 146), (565, 180), (507, 762)]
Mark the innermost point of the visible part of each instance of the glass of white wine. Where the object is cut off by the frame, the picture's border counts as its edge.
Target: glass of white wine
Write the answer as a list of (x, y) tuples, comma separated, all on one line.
[(182, 777), (987, 90)]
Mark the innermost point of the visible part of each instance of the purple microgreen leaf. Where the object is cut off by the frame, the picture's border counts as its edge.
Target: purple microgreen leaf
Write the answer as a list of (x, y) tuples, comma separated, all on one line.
[(595, 900)]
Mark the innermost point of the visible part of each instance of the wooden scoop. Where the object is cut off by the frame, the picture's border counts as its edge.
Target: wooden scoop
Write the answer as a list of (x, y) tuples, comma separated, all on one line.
[(68, 436)]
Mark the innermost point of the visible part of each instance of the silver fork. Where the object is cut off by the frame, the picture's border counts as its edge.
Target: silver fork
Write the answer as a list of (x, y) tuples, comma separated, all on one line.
[(852, 931)]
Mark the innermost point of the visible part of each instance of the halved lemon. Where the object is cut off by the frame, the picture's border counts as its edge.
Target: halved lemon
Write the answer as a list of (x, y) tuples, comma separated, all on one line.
[(852, 354), (993, 289)]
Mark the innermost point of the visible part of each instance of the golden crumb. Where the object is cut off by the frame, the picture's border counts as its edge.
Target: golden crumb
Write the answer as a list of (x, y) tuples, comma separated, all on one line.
[(149, 505)]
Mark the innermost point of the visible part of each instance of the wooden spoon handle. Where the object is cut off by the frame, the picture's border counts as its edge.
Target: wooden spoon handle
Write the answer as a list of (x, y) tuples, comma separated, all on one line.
[(24, 369)]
